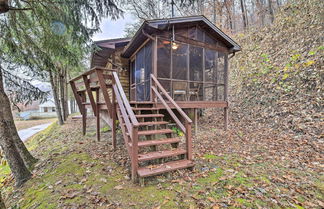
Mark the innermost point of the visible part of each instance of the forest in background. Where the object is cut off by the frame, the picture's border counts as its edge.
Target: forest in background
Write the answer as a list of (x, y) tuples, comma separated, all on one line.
[(231, 16)]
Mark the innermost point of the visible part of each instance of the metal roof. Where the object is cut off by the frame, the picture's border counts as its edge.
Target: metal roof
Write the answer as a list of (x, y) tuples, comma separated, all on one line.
[(156, 25)]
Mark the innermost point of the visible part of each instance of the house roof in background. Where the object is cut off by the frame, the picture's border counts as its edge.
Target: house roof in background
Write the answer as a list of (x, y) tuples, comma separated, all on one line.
[(49, 103), (156, 25), (104, 49)]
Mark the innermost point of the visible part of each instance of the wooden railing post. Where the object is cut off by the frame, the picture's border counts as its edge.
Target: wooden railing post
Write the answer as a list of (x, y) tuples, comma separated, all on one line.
[(114, 110), (134, 157), (188, 141)]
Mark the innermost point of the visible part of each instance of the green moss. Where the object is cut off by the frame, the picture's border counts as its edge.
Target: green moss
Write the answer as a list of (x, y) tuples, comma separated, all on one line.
[(211, 178), (210, 156), (244, 202), (50, 131), (105, 129)]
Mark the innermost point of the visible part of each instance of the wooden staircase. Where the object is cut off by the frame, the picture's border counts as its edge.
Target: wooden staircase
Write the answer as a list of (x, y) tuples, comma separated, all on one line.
[(153, 146)]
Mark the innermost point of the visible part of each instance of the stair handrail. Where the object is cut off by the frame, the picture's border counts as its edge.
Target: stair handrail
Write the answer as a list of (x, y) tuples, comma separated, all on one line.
[(125, 101), (186, 129), (131, 122), (169, 98)]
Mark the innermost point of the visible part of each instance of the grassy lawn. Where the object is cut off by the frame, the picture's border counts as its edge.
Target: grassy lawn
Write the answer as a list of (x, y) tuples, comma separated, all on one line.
[(75, 171), (23, 124)]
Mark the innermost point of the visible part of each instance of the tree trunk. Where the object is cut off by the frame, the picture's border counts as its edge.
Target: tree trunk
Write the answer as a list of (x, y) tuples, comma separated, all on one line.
[(271, 10), (243, 14), (4, 6), (15, 161), (66, 96), (260, 11), (62, 93), (56, 98), (2, 205)]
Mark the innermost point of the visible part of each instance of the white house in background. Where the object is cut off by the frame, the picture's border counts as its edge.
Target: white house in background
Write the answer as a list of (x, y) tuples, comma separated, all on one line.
[(48, 107)]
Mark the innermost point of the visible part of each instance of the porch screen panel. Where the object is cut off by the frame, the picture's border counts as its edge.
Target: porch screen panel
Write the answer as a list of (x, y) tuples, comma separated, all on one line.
[(220, 76), (148, 70), (164, 59), (210, 86), (196, 63), (180, 62), (139, 74)]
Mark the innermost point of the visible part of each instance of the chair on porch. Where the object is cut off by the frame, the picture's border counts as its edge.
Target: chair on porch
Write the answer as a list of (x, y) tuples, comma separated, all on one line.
[(179, 89)]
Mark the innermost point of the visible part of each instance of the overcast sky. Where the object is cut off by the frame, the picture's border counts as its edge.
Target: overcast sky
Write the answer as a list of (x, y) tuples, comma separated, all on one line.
[(113, 29)]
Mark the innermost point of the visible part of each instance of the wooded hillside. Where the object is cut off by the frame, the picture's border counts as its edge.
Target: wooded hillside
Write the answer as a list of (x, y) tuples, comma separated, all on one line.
[(278, 77)]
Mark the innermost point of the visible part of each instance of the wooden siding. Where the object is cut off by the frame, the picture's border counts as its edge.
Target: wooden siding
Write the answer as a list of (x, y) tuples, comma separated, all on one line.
[(123, 69)]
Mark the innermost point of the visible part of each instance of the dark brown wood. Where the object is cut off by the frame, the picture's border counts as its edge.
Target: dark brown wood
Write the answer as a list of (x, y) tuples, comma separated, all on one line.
[(98, 114), (188, 141), (174, 117), (125, 100), (90, 95), (104, 91), (76, 96), (134, 156), (183, 114), (160, 154), (151, 132), (165, 167), (114, 118), (157, 142), (150, 123), (150, 116)]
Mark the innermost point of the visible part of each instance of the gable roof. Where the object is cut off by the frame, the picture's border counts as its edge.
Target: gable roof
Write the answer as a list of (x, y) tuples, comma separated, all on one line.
[(106, 48), (151, 26)]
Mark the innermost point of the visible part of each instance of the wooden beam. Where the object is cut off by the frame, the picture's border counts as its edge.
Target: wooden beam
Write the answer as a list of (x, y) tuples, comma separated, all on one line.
[(90, 95)]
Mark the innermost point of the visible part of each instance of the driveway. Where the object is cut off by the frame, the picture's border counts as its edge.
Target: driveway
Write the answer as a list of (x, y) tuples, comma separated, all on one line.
[(26, 133)]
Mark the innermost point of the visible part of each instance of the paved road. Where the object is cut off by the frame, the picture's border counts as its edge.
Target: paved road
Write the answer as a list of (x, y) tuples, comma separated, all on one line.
[(28, 132)]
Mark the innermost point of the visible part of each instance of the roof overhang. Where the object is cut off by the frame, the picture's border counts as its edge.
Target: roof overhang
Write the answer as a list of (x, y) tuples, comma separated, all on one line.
[(152, 26), (104, 48)]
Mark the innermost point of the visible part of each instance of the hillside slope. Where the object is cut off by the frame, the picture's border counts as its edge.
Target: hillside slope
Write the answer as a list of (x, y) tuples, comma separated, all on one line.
[(278, 77)]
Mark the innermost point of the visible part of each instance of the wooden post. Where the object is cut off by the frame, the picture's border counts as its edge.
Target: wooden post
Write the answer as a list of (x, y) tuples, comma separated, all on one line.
[(84, 114), (226, 117), (89, 92), (188, 141), (114, 119), (98, 114), (196, 120), (134, 153), (226, 76)]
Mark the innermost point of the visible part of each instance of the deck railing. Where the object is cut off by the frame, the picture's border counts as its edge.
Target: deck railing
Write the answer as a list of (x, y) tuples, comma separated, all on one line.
[(157, 92)]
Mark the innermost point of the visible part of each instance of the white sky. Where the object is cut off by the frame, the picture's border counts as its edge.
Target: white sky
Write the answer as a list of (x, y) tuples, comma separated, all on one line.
[(113, 29)]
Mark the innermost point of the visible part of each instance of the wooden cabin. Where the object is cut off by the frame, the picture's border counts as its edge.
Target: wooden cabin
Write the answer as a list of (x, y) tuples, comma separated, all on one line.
[(148, 82), (188, 55)]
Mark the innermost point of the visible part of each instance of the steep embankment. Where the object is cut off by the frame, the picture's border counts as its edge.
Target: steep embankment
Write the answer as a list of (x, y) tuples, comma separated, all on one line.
[(278, 77)]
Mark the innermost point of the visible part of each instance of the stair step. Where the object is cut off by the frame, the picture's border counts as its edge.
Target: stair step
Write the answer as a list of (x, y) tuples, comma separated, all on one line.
[(88, 103), (144, 102), (152, 132), (160, 154), (157, 142), (150, 116), (149, 123), (163, 168), (146, 108)]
